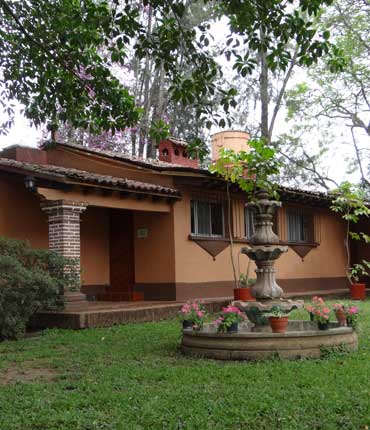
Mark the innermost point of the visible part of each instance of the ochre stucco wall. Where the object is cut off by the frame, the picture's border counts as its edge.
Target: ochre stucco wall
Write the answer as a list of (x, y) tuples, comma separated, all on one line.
[(195, 265), (21, 216), (328, 260), (154, 255), (95, 246)]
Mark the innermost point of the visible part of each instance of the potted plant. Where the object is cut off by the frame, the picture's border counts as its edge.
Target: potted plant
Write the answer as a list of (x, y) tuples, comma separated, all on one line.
[(358, 290), (350, 202), (229, 319), (320, 311), (192, 315), (340, 314), (351, 313), (243, 293), (278, 320)]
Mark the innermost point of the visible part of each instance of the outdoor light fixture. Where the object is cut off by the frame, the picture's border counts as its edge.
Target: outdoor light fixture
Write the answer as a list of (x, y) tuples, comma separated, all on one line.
[(30, 183)]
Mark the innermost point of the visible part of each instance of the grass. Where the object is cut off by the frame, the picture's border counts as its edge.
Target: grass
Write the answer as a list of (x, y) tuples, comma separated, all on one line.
[(133, 377)]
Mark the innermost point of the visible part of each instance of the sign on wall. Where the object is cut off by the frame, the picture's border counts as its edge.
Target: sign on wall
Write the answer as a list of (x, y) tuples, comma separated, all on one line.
[(142, 233)]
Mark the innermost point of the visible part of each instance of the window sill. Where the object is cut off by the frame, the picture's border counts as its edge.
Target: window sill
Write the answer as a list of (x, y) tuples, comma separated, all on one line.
[(310, 244), (210, 238), (217, 238)]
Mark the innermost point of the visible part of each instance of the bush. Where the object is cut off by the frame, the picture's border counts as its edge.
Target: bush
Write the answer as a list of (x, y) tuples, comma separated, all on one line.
[(30, 280)]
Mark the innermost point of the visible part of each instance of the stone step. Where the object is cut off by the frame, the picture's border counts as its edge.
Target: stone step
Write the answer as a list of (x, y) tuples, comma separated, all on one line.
[(74, 296)]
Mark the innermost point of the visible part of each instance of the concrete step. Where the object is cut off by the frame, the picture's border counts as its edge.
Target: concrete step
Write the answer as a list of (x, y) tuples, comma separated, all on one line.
[(74, 296)]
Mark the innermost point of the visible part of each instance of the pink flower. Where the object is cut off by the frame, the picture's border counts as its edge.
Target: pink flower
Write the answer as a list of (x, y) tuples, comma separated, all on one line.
[(353, 310), (200, 314), (326, 310)]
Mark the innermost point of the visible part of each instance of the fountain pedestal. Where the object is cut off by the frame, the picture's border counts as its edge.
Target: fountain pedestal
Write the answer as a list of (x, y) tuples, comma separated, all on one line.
[(265, 250)]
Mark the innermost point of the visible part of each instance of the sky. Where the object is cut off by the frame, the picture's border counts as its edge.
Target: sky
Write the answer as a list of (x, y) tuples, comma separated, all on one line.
[(21, 133)]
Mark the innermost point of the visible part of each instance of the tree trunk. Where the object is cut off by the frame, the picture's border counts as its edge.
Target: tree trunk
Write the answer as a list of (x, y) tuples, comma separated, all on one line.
[(264, 94), (145, 122), (158, 109)]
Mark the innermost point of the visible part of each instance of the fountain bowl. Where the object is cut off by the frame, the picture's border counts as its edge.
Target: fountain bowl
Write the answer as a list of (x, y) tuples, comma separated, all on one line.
[(301, 340)]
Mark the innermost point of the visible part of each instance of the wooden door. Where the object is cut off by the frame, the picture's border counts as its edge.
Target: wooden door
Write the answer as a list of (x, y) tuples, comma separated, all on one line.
[(122, 258)]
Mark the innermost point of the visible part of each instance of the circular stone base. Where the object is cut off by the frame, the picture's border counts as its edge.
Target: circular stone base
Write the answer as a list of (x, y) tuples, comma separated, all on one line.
[(301, 340)]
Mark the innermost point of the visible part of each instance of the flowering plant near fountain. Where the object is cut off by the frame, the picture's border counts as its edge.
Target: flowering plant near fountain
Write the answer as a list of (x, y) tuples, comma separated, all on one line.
[(192, 315), (320, 311), (229, 319), (347, 314)]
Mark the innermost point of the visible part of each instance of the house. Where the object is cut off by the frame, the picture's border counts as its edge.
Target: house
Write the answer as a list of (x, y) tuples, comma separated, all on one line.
[(157, 229)]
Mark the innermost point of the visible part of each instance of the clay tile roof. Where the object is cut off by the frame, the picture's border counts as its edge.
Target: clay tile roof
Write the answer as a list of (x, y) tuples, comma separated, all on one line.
[(305, 196), (64, 174)]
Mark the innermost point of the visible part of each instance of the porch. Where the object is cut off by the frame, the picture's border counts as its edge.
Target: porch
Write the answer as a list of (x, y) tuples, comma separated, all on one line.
[(123, 241), (87, 314)]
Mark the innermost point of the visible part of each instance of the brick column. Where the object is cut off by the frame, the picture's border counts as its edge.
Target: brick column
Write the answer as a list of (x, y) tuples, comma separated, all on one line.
[(64, 227)]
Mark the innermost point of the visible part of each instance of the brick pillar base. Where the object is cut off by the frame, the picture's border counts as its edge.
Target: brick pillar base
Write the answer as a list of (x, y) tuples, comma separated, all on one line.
[(64, 232)]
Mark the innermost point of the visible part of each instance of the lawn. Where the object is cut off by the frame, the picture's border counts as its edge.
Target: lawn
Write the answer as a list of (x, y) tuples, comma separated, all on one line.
[(133, 377)]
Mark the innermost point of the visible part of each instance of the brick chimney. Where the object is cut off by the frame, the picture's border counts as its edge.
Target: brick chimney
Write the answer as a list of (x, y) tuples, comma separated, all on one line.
[(175, 151), (236, 140)]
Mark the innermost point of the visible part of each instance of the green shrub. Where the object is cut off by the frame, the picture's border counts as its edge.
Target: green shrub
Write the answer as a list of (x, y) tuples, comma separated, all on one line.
[(30, 280)]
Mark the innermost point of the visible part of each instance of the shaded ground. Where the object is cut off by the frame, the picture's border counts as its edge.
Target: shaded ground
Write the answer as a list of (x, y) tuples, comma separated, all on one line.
[(133, 377), (14, 374)]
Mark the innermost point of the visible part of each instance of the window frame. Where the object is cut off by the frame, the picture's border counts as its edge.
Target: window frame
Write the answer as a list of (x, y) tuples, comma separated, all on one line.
[(310, 229), (193, 215), (247, 220)]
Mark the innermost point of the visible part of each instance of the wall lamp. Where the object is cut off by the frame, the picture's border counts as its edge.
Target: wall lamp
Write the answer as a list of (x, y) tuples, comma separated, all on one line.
[(30, 183)]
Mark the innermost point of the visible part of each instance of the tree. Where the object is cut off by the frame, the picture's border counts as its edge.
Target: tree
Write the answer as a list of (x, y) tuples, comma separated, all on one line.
[(149, 87), (329, 100), (57, 57)]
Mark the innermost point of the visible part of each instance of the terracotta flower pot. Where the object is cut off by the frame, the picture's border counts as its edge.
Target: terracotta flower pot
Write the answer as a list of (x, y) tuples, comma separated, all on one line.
[(245, 295), (358, 291), (278, 325), (236, 294), (341, 317)]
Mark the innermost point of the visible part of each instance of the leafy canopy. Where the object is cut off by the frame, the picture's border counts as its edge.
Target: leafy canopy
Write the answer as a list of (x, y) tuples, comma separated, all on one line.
[(56, 57)]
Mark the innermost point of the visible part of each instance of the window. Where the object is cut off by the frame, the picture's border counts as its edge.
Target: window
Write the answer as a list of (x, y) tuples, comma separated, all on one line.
[(300, 226), (165, 152), (207, 219), (249, 222)]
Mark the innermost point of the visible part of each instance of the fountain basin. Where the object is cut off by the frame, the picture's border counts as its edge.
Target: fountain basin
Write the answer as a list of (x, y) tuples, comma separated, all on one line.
[(301, 340)]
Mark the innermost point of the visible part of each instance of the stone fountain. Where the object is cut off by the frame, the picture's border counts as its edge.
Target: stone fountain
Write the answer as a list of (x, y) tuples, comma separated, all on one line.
[(254, 339), (265, 250)]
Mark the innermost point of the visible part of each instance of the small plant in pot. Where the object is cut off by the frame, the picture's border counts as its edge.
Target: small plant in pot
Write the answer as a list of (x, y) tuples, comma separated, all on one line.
[(244, 293), (357, 271), (351, 203), (320, 311), (278, 320), (340, 313), (192, 315), (229, 319), (352, 313)]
